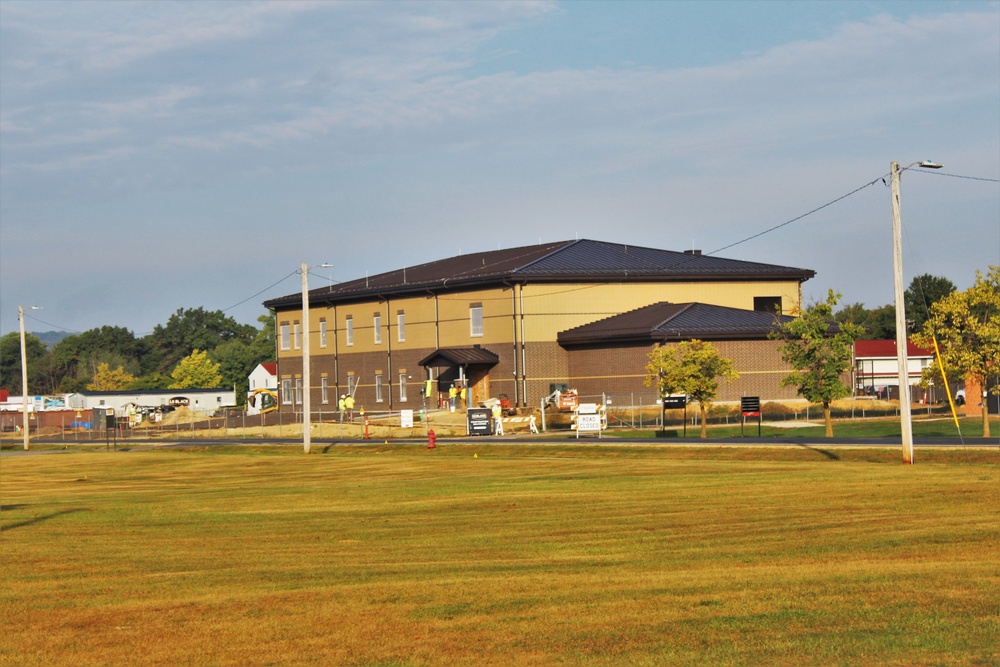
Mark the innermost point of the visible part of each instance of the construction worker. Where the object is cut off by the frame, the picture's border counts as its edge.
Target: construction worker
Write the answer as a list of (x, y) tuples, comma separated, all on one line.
[(349, 406), (342, 406), (497, 419)]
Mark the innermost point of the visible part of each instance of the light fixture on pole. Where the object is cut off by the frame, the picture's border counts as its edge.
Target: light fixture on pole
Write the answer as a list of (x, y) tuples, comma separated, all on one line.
[(24, 374), (906, 423), (306, 379)]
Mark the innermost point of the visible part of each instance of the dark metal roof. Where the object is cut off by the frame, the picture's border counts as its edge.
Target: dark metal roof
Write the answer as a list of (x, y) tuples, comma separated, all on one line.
[(459, 356), (675, 321), (564, 261)]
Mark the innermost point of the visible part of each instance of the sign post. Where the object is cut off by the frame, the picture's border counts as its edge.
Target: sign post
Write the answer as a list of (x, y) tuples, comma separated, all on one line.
[(673, 402), (750, 407)]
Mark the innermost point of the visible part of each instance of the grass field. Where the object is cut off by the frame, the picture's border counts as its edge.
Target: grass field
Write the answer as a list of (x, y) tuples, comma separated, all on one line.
[(501, 555)]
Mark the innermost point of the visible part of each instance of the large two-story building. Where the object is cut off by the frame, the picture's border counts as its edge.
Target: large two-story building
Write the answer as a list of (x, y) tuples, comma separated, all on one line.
[(522, 321)]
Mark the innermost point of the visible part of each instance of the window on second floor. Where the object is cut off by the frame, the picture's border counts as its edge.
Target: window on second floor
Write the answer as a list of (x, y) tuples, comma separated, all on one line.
[(322, 332), (286, 341), (767, 304), (349, 327), (297, 335), (401, 326), (377, 324), (476, 319)]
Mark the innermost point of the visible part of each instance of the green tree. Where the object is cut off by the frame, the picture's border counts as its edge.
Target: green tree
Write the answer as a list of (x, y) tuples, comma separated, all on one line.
[(78, 356), (924, 291), (39, 364), (196, 371), (966, 326), (195, 329), (820, 353), (693, 368), (152, 381), (106, 379), (235, 360), (876, 323), (264, 345)]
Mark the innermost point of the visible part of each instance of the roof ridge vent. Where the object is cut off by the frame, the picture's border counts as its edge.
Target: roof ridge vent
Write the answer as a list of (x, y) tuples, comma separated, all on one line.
[(693, 252)]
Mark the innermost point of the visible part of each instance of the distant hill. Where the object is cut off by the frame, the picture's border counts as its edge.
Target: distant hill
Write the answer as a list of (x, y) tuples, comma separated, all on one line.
[(50, 338)]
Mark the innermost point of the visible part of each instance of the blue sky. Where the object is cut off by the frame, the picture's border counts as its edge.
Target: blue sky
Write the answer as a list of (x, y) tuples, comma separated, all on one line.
[(160, 155)]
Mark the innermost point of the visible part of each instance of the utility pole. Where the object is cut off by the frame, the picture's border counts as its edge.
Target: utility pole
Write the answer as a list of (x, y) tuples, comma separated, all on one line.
[(901, 356), (24, 378), (306, 398), (306, 377), (906, 422)]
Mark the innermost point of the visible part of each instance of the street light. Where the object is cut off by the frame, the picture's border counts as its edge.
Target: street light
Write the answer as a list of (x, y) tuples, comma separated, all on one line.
[(306, 379), (897, 267), (24, 373)]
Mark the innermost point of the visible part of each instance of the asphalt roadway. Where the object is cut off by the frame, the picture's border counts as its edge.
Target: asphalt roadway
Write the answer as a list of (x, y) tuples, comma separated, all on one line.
[(562, 439)]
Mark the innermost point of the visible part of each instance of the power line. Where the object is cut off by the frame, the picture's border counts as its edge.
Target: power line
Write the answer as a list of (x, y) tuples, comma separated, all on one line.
[(842, 197), (254, 296), (795, 219), (967, 178)]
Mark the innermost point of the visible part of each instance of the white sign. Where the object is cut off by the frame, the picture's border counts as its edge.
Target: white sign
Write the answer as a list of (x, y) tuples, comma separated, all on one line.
[(406, 418), (585, 422)]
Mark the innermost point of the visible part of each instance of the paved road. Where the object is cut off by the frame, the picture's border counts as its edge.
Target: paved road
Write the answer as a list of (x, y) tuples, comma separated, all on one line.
[(519, 439)]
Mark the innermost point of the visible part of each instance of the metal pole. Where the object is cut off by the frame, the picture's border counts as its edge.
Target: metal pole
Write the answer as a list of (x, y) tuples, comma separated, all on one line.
[(306, 401), (24, 378), (897, 272)]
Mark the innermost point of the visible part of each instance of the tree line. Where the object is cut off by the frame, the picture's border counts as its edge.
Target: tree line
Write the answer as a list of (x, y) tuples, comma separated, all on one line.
[(195, 348)]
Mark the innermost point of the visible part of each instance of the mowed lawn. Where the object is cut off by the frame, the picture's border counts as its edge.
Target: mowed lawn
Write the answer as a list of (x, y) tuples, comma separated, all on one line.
[(500, 555)]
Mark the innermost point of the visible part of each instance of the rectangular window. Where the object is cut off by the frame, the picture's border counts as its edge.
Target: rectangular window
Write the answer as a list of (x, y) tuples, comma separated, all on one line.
[(298, 391), (378, 387), (378, 328), (476, 319), (286, 342), (322, 332), (352, 384), (324, 389), (286, 392), (401, 326), (297, 335), (767, 304), (402, 387), (350, 330)]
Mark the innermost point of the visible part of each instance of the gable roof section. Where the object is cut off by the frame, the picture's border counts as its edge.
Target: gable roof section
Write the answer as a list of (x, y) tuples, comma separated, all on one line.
[(886, 349), (564, 261), (666, 321)]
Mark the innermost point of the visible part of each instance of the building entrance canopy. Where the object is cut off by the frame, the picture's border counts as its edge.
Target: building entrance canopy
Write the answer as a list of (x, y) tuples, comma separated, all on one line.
[(450, 357)]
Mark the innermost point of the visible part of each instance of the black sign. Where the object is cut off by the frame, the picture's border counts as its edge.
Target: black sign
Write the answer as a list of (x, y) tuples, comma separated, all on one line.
[(674, 402), (750, 405), (480, 421)]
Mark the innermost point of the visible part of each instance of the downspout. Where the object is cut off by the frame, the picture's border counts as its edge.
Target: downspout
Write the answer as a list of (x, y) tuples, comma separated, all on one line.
[(524, 366), (513, 324), (336, 353), (388, 349), (437, 324)]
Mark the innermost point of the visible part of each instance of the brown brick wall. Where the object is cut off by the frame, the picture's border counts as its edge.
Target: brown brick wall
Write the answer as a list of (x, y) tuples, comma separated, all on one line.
[(622, 370)]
